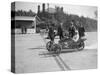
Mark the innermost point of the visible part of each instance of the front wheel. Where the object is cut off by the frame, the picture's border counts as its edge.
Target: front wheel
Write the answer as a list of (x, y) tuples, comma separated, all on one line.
[(49, 45), (81, 46)]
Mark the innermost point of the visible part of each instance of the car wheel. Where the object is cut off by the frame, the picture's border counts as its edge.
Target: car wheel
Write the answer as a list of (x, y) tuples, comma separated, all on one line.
[(57, 48), (81, 46), (48, 45)]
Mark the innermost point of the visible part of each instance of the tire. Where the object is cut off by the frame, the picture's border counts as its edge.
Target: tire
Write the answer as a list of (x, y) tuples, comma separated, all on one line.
[(81, 46), (48, 45), (57, 48)]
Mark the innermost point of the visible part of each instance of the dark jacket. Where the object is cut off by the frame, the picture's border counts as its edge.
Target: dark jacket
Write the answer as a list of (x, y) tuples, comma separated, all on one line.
[(51, 33), (81, 31), (60, 31), (71, 31)]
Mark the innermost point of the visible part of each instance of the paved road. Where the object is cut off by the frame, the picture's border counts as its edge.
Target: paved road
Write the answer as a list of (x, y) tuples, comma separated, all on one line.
[(32, 56)]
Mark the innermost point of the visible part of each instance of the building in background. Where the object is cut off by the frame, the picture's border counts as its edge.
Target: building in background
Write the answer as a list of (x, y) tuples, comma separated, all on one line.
[(23, 21)]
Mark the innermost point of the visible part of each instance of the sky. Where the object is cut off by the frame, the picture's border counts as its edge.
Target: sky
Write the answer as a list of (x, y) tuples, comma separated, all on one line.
[(86, 11)]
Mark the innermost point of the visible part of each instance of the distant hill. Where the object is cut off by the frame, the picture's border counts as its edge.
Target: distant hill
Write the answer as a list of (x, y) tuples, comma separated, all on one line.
[(88, 23)]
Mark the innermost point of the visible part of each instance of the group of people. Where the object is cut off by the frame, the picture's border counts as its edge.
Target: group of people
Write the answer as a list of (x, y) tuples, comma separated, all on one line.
[(23, 30), (75, 31)]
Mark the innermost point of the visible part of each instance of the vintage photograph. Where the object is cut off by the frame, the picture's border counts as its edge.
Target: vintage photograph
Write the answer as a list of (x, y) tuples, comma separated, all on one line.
[(48, 37)]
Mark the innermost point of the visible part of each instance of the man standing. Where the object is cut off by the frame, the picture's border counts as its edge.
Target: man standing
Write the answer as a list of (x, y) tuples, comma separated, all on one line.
[(22, 29), (51, 33), (60, 31), (71, 30), (25, 30), (81, 31)]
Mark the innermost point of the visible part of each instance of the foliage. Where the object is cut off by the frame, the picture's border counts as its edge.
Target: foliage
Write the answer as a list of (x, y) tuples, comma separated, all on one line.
[(24, 13), (60, 17)]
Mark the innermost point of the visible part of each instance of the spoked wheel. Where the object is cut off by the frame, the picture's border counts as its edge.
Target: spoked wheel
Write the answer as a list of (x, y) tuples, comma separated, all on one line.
[(57, 49), (81, 46), (49, 45)]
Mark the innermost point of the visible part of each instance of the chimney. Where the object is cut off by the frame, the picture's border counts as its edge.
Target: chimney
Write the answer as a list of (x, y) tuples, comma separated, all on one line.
[(48, 6), (38, 8), (43, 7), (61, 8)]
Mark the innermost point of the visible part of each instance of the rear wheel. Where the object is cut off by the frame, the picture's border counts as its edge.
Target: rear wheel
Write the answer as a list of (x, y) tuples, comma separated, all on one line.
[(57, 48), (81, 46)]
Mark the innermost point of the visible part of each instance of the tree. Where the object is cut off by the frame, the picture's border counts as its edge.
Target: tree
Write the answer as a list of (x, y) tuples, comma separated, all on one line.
[(96, 14), (24, 13)]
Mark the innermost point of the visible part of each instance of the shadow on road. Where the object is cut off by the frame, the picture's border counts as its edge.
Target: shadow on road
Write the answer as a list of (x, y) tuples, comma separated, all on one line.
[(62, 65), (47, 54), (52, 54), (36, 48)]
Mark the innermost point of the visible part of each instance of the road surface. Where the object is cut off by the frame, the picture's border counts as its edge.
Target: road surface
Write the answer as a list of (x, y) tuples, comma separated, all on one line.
[(32, 56)]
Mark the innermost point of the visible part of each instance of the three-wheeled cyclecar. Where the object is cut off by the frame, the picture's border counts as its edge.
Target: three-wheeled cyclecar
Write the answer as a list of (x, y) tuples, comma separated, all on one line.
[(66, 43)]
